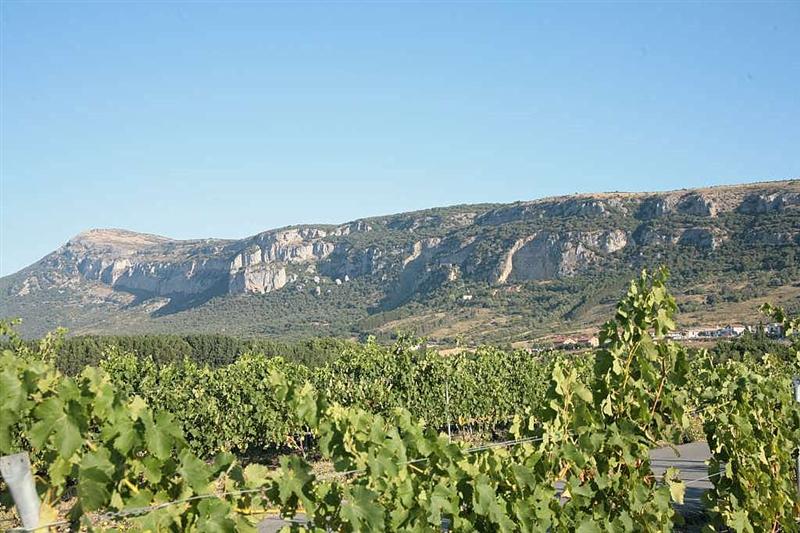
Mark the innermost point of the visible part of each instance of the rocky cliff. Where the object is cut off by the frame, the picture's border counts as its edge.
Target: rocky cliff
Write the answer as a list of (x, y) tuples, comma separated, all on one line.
[(408, 256)]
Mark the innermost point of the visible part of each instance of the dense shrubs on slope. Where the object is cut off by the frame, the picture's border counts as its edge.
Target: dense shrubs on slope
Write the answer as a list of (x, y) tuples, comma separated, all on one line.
[(750, 346)]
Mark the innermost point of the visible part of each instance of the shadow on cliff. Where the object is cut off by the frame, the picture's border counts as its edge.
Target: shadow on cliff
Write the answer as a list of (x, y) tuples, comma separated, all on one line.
[(178, 302)]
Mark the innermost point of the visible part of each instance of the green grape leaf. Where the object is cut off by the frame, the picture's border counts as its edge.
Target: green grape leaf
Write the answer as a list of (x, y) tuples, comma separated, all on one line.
[(194, 471)]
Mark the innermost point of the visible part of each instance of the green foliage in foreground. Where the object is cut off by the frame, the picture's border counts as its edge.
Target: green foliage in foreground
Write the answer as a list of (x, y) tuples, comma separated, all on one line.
[(394, 472), (113, 451), (753, 430)]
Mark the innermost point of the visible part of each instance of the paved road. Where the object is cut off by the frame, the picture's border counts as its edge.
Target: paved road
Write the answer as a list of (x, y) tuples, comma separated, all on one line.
[(692, 464), (690, 460)]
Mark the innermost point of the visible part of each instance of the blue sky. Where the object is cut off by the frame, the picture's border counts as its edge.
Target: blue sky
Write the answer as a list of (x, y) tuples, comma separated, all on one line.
[(225, 119)]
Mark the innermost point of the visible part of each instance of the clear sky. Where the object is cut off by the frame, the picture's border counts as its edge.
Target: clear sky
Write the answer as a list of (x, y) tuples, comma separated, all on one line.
[(226, 119)]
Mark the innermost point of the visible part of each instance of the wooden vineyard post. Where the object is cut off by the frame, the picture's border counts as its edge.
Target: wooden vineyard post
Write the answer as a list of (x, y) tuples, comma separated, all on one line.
[(796, 383), (16, 471)]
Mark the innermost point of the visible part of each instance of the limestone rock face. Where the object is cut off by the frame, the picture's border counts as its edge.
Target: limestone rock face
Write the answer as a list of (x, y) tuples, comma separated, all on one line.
[(695, 204), (143, 264), (395, 259), (656, 206), (260, 267), (646, 235), (562, 207), (353, 227), (417, 249), (166, 279), (698, 205), (292, 246), (152, 266), (700, 238), (584, 207), (759, 203), (545, 256), (613, 241), (260, 278), (548, 255)]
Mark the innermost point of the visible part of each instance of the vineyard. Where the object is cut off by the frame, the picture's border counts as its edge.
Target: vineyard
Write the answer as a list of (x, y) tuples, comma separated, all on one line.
[(402, 438)]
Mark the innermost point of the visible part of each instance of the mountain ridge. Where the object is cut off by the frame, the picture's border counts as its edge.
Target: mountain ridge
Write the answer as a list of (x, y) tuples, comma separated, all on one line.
[(409, 264), (710, 188)]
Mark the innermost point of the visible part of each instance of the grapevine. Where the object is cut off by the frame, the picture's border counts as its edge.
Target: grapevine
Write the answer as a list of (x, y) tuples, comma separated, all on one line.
[(576, 455)]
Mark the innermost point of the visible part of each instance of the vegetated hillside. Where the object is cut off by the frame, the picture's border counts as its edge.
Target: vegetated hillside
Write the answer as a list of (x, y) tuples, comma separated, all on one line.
[(482, 273)]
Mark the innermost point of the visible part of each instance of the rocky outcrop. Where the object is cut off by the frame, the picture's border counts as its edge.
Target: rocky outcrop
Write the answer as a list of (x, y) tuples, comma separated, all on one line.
[(547, 255), (260, 278), (152, 266), (760, 203), (582, 207), (647, 235), (294, 246), (698, 237), (353, 227), (260, 267), (694, 204), (143, 264), (412, 254), (766, 237), (169, 279), (355, 262), (706, 238), (561, 208), (656, 206), (506, 266), (612, 241), (417, 249), (697, 204)]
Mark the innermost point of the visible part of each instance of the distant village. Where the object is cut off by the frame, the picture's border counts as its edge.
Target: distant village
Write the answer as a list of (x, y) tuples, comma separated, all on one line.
[(774, 331)]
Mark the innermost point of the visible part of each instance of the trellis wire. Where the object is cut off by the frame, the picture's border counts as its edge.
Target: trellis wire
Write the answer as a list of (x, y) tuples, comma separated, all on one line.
[(126, 513)]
